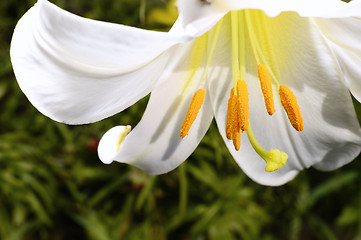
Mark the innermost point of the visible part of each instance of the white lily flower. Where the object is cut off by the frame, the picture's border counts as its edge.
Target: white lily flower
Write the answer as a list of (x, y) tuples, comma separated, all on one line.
[(306, 55)]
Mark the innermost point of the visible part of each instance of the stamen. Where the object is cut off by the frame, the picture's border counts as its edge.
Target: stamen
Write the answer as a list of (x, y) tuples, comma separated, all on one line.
[(242, 97), (235, 121), (242, 45), (266, 87), (229, 116), (215, 36), (192, 112), (236, 128), (197, 57), (289, 103), (199, 50), (237, 140), (235, 52), (252, 37), (274, 158)]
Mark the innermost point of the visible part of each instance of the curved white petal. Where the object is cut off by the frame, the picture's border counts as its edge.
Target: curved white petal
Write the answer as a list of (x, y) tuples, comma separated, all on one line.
[(196, 13), (197, 28), (344, 32), (301, 59), (78, 70), (110, 143), (343, 36), (348, 150), (155, 145), (194, 10), (350, 63)]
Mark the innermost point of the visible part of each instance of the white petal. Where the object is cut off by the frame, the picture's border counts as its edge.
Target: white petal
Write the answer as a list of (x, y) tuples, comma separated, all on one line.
[(350, 64), (197, 28), (155, 145), (344, 32), (298, 55), (78, 70), (196, 14), (343, 36), (331, 161), (110, 143), (305, 8), (194, 10)]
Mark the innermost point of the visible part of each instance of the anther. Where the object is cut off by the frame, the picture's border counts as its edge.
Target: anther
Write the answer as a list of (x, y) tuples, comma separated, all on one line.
[(229, 116), (236, 128), (242, 97), (233, 128), (289, 103), (192, 112), (266, 87)]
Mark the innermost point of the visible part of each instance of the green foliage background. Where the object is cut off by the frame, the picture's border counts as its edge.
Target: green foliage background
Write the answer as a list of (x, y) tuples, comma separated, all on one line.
[(52, 185)]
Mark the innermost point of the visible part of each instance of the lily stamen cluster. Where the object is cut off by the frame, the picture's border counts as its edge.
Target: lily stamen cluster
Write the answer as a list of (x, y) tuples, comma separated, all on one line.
[(238, 105)]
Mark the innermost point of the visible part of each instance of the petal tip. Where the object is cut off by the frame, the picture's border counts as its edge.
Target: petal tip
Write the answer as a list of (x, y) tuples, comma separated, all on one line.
[(110, 143)]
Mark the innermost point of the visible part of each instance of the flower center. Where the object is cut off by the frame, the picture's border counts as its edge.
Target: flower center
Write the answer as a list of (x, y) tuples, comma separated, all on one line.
[(243, 23)]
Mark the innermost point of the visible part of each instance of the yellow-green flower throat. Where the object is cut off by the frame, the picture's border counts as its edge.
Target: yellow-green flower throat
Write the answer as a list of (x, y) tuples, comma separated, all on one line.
[(242, 24)]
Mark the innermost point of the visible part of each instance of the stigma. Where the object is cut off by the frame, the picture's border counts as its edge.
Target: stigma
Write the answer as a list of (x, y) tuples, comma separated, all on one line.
[(244, 30)]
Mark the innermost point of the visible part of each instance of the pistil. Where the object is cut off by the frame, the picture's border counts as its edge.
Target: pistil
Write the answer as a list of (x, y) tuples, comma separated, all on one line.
[(274, 158)]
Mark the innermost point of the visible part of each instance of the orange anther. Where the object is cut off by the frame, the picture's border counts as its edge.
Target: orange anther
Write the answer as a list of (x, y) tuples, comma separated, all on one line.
[(242, 97), (289, 103), (266, 88), (229, 116), (192, 112)]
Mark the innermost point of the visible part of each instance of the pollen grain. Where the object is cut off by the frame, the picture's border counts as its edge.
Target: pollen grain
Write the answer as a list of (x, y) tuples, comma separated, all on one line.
[(289, 103)]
